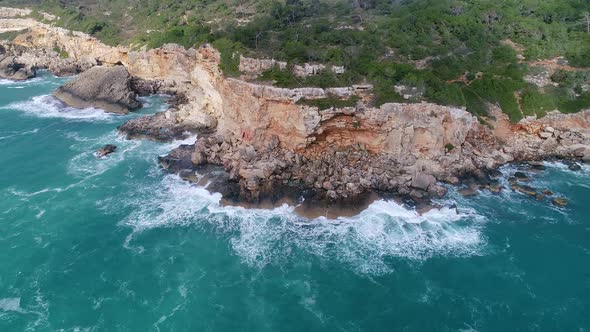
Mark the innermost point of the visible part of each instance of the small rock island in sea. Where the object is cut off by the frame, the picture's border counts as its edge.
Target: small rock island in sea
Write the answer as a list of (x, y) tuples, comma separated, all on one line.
[(107, 88)]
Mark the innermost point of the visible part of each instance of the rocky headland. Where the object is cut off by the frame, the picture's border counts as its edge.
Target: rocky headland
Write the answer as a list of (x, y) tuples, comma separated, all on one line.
[(259, 144)]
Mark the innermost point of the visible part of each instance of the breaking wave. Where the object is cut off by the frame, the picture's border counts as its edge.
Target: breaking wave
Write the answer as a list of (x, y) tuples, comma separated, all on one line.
[(31, 81), (46, 106), (366, 242)]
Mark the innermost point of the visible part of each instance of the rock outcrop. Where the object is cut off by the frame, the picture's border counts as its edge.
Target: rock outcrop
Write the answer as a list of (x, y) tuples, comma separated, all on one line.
[(11, 69), (253, 67), (108, 88)]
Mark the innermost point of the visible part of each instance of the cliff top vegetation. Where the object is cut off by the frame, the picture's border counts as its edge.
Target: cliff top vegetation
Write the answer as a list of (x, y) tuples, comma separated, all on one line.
[(469, 53)]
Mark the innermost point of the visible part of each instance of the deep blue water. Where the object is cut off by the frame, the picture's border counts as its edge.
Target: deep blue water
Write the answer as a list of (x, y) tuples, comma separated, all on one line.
[(115, 244)]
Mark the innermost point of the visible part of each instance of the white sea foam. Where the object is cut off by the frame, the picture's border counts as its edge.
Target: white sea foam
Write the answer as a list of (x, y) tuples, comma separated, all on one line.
[(86, 164), (584, 172), (40, 214), (11, 304), (365, 242), (46, 106), (31, 81), (16, 134)]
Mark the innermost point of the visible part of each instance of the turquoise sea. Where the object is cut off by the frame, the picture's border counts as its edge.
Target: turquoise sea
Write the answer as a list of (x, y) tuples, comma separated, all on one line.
[(116, 244)]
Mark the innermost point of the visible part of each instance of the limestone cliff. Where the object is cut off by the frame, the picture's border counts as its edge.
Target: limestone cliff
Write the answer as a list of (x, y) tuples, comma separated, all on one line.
[(264, 139)]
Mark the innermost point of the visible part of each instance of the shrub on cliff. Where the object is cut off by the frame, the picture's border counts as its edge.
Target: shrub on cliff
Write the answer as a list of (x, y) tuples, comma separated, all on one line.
[(230, 56), (536, 103)]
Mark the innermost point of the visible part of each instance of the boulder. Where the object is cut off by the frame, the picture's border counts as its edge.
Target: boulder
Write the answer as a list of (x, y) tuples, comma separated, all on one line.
[(10, 69), (530, 191), (520, 176), (423, 181), (545, 135), (108, 88), (574, 167), (560, 201)]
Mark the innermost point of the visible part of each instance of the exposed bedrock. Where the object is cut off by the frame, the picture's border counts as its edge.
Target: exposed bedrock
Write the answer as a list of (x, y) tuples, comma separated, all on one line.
[(108, 88), (408, 149), (11, 69)]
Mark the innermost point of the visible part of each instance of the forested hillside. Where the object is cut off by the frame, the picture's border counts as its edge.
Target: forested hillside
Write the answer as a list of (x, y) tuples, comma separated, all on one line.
[(454, 52)]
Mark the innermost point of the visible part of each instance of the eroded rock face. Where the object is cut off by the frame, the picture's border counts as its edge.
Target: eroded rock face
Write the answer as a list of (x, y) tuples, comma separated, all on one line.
[(108, 88), (11, 68)]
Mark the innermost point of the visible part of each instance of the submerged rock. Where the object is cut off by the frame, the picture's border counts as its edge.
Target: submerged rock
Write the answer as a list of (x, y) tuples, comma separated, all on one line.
[(468, 192), (105, 150), (572, 165), (530, 191), (537, 165), (560, 201), (495, 188), (520, 176), (108, 88)]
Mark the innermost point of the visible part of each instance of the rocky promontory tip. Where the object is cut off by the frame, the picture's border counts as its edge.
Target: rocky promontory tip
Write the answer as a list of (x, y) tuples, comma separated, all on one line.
[(108, 88)]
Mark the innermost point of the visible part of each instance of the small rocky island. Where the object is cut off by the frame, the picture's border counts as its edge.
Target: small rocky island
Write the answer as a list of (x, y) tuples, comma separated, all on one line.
[(107, 88)]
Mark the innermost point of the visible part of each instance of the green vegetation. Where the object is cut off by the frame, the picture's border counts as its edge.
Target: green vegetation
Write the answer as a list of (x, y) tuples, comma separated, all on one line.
[(62, 54), (536, 103), (463, 53), (325, 79), (449, 147), (9, 35)]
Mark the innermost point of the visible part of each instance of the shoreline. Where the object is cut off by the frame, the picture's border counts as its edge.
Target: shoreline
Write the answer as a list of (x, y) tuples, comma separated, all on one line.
[(269, 147), (311, 204)]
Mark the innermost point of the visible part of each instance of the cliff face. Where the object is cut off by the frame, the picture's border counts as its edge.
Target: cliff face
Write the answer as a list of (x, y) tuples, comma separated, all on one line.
[(263, 137)]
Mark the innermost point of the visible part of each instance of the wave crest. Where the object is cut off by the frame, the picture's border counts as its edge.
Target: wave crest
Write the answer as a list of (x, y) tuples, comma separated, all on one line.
[(46, 106)]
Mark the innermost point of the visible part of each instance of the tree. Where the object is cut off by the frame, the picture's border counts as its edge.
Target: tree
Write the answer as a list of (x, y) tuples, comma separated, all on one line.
[(586, 21)]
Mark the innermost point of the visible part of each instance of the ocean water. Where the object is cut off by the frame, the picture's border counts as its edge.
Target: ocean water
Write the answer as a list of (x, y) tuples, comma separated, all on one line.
[(116, 244)]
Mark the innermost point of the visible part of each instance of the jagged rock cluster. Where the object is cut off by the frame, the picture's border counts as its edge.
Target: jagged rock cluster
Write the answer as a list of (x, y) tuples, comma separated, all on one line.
[(344, 173), (10, 68)]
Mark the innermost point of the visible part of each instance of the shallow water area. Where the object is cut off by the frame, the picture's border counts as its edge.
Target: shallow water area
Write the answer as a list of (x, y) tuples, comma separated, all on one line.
[(118, 244)]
